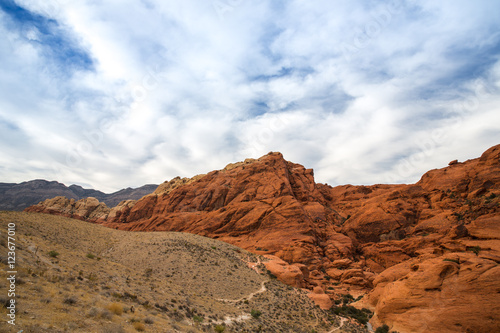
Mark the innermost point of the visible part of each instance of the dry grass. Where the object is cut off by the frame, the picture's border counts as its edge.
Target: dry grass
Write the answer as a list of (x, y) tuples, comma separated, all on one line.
[(116, 308), (165, 280), (139, 326)]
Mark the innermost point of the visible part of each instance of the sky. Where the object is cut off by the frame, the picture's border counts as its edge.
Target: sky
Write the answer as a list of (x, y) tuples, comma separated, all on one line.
[(114, 94)]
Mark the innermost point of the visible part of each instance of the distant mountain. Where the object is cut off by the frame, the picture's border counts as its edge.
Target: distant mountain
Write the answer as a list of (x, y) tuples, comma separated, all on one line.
[(19, 196)]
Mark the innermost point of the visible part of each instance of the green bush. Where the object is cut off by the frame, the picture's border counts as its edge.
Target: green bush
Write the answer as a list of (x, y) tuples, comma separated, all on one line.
[(90, 256), (255, 313), (475, 249), (53, 254), (457, 261), (219, 328), (382, 329), (361, 316)]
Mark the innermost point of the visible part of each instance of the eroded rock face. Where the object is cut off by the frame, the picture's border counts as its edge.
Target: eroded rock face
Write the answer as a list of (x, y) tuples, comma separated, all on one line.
[(88, 209), (451, 293), (349, 239)]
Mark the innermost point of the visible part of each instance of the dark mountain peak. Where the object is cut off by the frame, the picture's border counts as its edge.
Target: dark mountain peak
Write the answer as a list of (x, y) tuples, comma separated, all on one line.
[(20, 196)]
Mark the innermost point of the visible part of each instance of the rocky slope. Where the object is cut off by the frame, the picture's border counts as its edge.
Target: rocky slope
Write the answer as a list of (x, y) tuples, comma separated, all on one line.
[(384, 241), (91, 279), (19, 196)]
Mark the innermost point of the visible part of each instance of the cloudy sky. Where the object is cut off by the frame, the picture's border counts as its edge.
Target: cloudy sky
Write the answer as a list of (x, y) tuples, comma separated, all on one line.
[(111, 94)]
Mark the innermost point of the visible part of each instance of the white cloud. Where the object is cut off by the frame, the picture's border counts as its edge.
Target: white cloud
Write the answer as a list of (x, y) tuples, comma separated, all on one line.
[(351, 89)]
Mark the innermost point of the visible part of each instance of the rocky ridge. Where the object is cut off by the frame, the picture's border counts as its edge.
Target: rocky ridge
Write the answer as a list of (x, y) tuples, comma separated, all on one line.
[(425, 250), (17, 197)]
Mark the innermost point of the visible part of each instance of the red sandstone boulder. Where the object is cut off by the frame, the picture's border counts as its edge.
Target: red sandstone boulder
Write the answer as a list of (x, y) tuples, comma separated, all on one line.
[(320, 298), (292, 275)]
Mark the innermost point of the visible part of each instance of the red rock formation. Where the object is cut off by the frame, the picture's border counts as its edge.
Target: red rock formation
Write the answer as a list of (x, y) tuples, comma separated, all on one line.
[(88, 209), (452, 293), (292, 275), (357, 238)]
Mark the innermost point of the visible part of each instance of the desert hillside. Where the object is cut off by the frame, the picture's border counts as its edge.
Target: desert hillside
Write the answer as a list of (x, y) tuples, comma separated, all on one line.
[(425, 250), (74, 276)]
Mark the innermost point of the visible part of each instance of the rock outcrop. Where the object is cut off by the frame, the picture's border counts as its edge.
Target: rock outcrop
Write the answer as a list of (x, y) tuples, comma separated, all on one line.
[(292, 275), (88, 209), (457, 292), (408, 247)]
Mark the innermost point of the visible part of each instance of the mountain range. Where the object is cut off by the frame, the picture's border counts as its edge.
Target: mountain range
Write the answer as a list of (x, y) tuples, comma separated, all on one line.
[(423, 257), (17, 197)]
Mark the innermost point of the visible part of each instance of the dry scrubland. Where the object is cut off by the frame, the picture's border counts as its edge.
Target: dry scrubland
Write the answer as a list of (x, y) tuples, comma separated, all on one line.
[(75, 276)]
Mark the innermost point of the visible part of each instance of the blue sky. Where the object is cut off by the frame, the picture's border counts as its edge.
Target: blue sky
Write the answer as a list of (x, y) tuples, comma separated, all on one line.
[(114, 94)]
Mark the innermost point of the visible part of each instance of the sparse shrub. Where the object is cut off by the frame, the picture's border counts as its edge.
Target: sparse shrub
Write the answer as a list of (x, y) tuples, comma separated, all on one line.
[(71, 300), (92, 277), (106, 314), (219, 328), (53, 254), (271, 275), (361, 316), (347, 298), (93, 312), (4, 301), (112, 328), (255, 313), (150, 321), (116, 308), (457, 261), (90, 256), (475, 249), (246, 301), (197, 319), (46, 300), (382, 329), (139, 326)]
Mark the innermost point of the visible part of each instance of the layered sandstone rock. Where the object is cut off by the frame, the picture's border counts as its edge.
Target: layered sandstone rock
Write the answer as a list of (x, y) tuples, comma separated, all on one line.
[(88, 209), (453, 293)]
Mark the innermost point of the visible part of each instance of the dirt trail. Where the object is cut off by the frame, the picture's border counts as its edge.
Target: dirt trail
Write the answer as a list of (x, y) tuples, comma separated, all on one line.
[(342, 322), (249, 296)]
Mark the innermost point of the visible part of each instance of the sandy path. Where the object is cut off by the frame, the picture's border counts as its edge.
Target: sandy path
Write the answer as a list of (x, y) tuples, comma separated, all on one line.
[(342, 322), (249, 296)]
